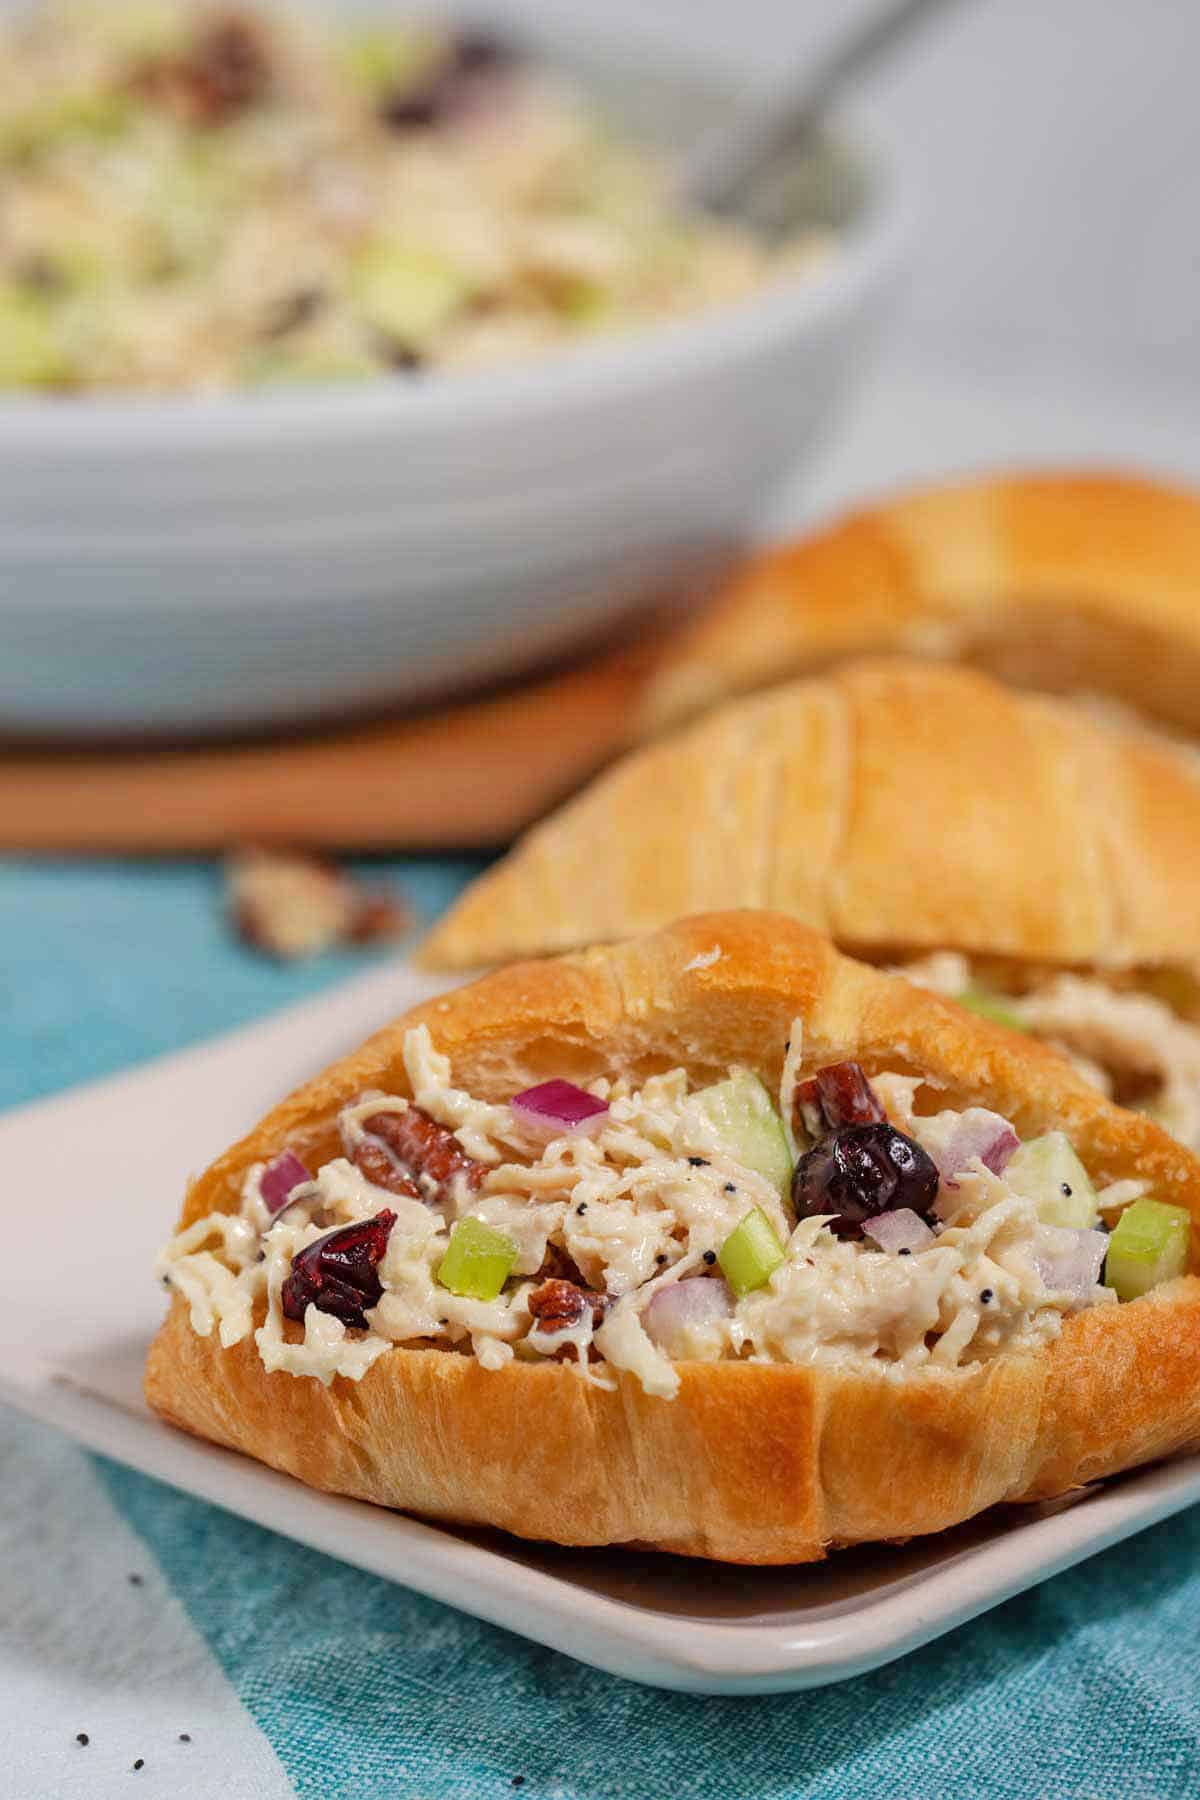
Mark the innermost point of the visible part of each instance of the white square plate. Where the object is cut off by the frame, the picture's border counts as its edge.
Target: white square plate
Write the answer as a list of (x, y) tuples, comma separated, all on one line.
[(104, 1167)]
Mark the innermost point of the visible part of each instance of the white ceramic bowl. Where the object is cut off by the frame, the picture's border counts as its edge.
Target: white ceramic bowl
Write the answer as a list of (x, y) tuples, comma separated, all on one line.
[(187, 565)]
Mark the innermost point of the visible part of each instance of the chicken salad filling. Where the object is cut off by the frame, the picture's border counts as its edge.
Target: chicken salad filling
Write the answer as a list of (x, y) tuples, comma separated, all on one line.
[(1127, 1041), (632, 1226), (202, 196)]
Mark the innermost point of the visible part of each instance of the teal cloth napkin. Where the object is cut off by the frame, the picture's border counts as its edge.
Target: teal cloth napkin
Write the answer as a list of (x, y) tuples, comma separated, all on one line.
[(1083, 1689)]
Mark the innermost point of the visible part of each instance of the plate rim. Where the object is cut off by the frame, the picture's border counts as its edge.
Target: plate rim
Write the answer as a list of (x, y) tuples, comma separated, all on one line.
[(649, 1644), (683, 1653)]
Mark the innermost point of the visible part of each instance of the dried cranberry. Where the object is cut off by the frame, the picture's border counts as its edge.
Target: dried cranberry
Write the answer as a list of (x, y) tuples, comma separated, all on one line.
[(464, 75), (835, 1096), (414, 109), (475, 50), (861, 1171), (339, 1274)]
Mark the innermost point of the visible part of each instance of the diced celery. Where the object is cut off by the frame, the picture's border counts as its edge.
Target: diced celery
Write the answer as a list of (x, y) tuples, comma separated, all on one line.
[(478, 1260), (584, 303), (406, 293), (30, 353), (750, 1254), (1149, 1245), (1047, 1171), (30, 130), (380, 58), (749, 1127), (990, 1006)]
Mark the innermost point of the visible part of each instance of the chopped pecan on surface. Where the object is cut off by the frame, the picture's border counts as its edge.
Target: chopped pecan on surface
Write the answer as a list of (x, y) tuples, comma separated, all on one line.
[(560, 1305), (291, 905), (427, 1151), (378, 917)]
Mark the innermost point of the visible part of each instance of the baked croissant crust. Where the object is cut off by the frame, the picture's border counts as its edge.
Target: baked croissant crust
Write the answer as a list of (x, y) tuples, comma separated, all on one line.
[(751, 1461), (1063, 582), (899, 806)]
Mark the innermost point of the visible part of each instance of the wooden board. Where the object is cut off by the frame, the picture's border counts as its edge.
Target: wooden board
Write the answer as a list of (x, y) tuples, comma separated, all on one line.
[(473, 774)]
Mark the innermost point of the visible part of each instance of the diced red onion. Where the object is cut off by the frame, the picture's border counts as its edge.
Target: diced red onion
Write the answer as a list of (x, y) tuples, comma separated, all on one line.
[(1072, 1263), (555, 1107), (282, 1175), (978, 1133), (685, 1306), (902, 1229)]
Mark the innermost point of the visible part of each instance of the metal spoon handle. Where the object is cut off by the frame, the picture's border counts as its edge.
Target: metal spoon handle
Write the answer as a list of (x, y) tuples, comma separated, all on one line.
[(731, 159)]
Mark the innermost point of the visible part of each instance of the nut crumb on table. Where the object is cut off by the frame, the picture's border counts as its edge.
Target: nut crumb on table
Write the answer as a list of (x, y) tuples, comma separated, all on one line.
[(291, 905)]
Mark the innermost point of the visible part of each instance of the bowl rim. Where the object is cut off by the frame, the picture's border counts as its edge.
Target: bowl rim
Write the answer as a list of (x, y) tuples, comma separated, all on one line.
[(659, 353)]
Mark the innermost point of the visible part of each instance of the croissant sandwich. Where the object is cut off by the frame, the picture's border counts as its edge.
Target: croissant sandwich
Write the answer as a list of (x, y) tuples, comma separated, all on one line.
[(714, 1241), (1068, 583), (1009, 850)]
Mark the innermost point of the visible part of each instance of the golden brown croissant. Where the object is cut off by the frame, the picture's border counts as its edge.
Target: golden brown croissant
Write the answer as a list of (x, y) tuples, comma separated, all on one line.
[(1063, 582), (901, 807), (752, 1460)]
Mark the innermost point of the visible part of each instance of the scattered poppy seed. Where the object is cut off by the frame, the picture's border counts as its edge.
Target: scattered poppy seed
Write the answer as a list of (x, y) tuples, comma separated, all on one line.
[(81, 1737), (1066, 1188), (731, 1187), (905, 1252), (710, 1257), (660, 1259), (185, 1737), (136, 1580), (581, 1208), (698, 1162), (140, 1763), (986, 1297)]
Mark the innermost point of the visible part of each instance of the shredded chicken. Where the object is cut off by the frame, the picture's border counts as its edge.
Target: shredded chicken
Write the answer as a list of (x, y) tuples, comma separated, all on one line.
[(597, 1225), (1128, 1044), (200, 198)]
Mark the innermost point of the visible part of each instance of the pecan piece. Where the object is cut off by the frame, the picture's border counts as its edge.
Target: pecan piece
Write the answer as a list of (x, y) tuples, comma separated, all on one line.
[(225, 70), (835, 1096), (379, 1167), (427, 1151), (558, 1266), (561, 1305)]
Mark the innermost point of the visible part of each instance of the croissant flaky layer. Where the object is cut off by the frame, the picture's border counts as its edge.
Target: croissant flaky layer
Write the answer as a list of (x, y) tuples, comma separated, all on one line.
[(1058, 581), (901, 806), (751, 1462)]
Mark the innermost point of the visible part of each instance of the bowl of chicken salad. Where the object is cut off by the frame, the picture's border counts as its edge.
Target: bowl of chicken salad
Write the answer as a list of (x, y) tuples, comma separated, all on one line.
[(346, 361)]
